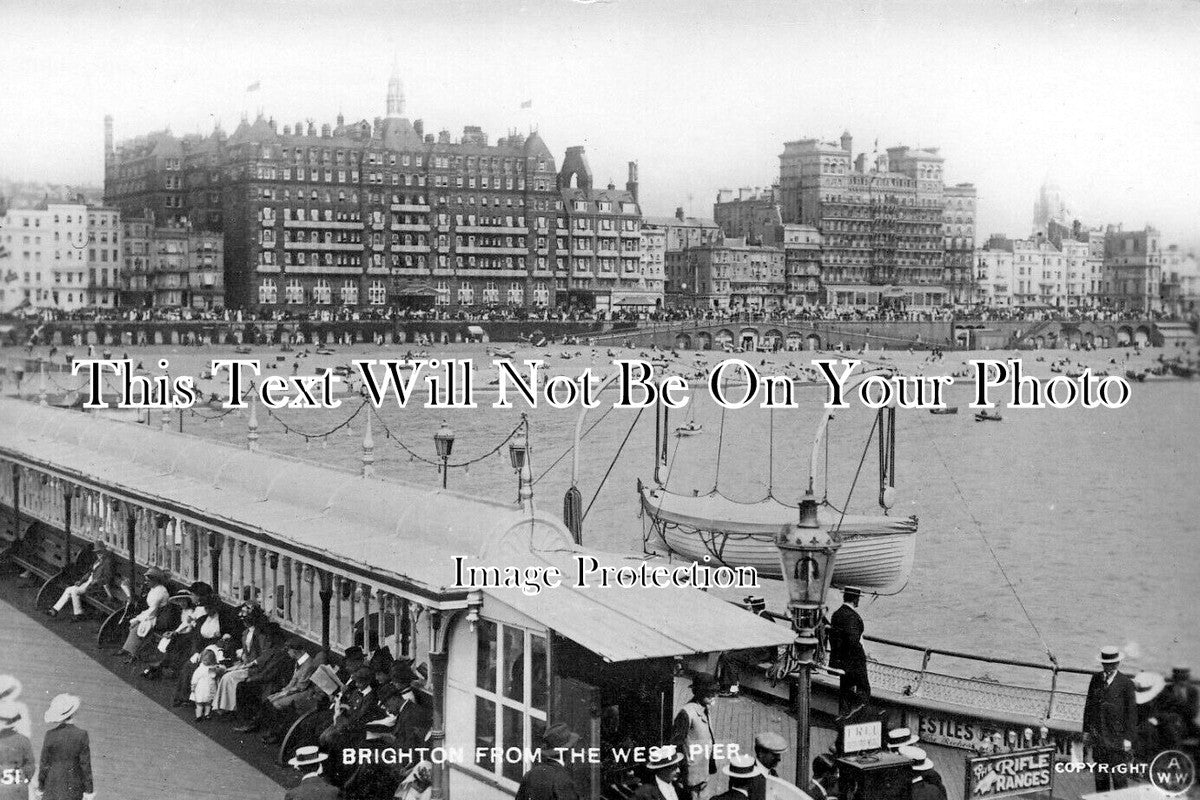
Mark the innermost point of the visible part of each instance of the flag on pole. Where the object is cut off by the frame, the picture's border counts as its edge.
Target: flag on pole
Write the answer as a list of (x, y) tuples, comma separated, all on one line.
[(254, 87), (527, 104)]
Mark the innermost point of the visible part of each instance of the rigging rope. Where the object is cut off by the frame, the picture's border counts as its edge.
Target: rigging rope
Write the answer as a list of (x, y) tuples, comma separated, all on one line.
[(612, 464), (857, 472), (720, 447), (771, 456), (571, 447), (979, 529)]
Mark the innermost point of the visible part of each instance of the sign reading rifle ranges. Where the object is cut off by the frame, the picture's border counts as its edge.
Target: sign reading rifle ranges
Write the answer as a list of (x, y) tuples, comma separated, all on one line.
[(1010, 774)]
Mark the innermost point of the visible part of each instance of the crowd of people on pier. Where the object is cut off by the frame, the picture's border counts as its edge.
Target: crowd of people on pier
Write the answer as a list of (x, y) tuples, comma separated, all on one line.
[(237, 665), (241, 668)]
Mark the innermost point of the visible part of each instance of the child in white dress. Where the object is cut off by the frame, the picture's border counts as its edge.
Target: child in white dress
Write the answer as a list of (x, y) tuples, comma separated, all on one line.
[(204, 684)]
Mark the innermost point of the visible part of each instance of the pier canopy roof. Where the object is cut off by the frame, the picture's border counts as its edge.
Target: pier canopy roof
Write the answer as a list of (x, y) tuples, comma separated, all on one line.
[(627, 623), (397, 533)]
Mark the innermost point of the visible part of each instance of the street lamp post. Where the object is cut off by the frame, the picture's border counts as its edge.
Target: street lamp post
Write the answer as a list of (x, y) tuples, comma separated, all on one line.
[(807, 553), (444, 441)]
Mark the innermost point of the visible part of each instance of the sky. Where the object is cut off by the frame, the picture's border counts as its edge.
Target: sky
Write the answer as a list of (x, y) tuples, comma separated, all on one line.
[(1102, 98)]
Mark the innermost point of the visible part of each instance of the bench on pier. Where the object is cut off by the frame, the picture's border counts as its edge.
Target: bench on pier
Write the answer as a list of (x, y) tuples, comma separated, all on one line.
[(43, 553)]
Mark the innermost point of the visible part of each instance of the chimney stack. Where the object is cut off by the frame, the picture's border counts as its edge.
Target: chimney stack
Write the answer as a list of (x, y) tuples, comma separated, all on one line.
[(847, 142), (108, 137), (631, 185), (679, 213), (419, 127)]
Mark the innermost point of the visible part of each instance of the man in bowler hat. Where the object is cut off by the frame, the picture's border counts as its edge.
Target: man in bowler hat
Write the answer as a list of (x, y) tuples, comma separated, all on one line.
[(1110, 720), (846, 653), (549, 778)]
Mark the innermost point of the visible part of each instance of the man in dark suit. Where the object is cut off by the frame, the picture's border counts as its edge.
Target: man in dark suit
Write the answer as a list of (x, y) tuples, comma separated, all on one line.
[(742, 769), (663, 769), (769, 748), (272, 671), (549, 779), (298, 694), (1110, 720), (313, 785), (846, 653), (65, 768)]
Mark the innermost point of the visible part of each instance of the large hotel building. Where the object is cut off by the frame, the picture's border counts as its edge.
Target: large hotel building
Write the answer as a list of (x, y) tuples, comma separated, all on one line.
[(880, 220), (372, 214)]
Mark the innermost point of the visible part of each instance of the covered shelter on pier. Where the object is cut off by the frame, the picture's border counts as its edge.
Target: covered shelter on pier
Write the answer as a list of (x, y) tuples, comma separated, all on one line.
[(341, 559)]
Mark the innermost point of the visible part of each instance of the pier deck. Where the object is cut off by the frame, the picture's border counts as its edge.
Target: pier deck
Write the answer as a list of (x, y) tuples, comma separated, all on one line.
[(140, 750)]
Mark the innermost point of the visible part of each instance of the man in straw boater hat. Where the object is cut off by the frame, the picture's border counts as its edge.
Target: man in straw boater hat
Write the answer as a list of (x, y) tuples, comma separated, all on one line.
[(692, 733), (901, 737), (16, 755), (65, 768), (741, 770), (1155, 726), (663, 771), (10, 690), (926, 783), (1110, 721), (376, 777), (549, 779), (313, 786)]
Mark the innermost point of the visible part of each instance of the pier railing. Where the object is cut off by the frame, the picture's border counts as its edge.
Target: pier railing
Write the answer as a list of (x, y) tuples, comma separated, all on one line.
[(1056, 694), (1048, 692)]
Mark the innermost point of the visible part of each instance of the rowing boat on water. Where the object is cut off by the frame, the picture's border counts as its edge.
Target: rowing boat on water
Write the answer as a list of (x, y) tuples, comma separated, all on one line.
[(876, 555), (877, 551)]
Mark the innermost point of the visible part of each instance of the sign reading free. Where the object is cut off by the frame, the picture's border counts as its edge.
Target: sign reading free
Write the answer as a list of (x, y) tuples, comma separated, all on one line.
[(1010, 774)]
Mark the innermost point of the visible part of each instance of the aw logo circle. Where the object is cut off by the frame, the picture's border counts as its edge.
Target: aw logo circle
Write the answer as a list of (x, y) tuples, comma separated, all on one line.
[(1172, 772)]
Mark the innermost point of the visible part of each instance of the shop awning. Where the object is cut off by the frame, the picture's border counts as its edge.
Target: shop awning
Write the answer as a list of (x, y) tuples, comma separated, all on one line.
[(630, 623), (413, 290)]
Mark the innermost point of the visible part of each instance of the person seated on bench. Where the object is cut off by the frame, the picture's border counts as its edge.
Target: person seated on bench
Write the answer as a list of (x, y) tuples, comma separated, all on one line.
[(175, 645), (247, 656), (101, 574), (298, 697), (353, 707), (267, 676), (143, 624)]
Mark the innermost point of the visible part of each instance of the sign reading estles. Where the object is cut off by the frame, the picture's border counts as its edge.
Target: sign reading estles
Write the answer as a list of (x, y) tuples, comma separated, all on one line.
[(1010, 774), (973, 734)]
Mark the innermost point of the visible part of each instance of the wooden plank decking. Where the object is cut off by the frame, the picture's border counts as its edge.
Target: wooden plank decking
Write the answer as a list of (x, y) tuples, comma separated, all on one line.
[(140, 750)]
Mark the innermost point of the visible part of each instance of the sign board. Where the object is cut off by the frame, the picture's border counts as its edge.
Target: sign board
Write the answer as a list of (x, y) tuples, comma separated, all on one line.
[(1010, 774), (860, 736), (966, 733)]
